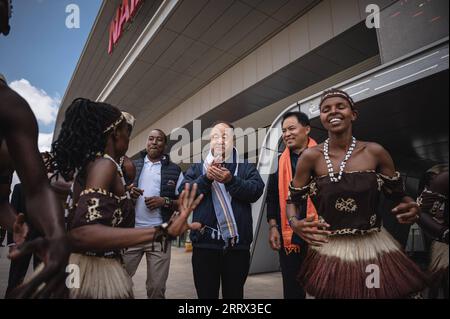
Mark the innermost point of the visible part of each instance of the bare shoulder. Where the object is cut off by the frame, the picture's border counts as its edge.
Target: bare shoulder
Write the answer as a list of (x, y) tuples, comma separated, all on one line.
[(102, 166), (14, 110), (384, 161), (10, 99), (313, 153), (101, 173), (374, 148), (310, 156)]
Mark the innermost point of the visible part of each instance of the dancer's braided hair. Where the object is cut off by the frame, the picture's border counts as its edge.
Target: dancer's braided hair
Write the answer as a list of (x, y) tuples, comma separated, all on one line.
[(82, 137)]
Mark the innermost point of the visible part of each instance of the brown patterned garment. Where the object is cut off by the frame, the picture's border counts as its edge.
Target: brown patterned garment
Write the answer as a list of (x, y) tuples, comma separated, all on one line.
[(358, 244), (434, 204), (97, 206), (350, 206)]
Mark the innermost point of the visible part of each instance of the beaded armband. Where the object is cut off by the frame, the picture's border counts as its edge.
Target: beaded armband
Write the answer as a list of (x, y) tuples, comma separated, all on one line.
[(393, 187)]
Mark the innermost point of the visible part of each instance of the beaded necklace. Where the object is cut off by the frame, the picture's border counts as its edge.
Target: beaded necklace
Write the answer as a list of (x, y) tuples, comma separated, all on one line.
[(343, 163)]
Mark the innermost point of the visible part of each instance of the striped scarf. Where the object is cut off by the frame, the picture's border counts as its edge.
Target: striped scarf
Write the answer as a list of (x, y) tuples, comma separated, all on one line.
[(222, 206)]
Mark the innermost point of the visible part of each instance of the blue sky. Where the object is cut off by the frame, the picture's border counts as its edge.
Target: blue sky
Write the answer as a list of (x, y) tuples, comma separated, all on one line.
[(40, 54)]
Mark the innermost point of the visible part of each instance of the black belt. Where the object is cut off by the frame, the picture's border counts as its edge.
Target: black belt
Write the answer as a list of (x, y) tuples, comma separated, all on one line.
[(107, 254)]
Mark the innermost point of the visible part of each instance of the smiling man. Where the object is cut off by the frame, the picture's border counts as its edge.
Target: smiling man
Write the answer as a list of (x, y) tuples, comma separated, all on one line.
[(222, 224), (157, 180), (291, 248)]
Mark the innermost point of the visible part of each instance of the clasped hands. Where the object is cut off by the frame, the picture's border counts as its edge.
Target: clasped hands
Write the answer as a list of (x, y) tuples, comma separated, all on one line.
[(216, 172)]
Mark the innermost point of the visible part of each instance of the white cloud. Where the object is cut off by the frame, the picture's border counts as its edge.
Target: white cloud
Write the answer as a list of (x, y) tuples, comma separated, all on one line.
[(45, 107), (45, 142)]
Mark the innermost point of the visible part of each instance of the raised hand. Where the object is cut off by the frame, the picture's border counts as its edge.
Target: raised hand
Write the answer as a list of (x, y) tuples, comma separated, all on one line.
[(135, 192), (20, 229), (187, 203), (50, 281)]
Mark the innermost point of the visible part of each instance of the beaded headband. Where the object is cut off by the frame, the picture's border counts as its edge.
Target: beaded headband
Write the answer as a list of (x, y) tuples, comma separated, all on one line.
[(338, 94), (129, 118), (115, 124)]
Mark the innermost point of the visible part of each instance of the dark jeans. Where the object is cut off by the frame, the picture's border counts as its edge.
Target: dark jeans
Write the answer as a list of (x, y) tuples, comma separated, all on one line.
[(290, 267), (211, 266), (18, 270)]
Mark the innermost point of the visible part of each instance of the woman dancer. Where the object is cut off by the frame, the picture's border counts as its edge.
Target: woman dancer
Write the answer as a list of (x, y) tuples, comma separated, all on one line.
[(93, 137), (433, 202), (350, 255)]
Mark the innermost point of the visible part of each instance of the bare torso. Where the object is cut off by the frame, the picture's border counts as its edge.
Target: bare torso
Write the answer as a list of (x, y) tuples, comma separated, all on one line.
[(6, 164)]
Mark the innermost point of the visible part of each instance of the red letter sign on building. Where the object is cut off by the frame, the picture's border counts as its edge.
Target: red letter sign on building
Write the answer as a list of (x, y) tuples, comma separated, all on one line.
[(124, 14)]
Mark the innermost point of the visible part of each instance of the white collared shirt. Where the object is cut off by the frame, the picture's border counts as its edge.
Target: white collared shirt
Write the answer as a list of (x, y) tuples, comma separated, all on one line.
[(150, 182)]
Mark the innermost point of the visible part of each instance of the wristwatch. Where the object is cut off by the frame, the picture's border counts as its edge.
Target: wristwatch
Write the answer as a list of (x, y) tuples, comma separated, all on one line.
[(167, 202), (161, 232), (291, 220)]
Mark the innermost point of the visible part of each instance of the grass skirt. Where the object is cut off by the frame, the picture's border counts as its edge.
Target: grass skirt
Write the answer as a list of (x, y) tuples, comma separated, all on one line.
[(360, 266), (101, 278)]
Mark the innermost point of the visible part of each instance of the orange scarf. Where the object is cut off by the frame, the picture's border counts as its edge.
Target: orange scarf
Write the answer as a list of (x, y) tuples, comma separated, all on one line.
[(284, 178)]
